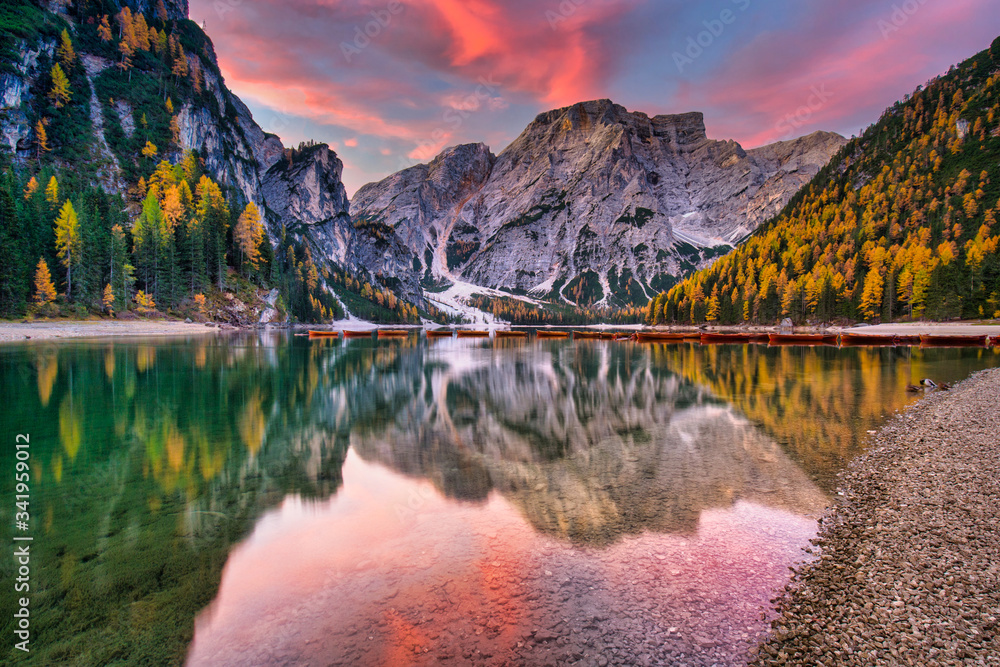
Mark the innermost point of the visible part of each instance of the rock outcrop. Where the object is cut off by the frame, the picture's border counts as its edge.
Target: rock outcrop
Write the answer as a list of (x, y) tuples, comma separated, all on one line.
[(305, 195), (590, 194)]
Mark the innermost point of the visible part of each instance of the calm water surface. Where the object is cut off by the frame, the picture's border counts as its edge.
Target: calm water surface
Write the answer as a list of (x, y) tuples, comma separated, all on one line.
[(267, 500)]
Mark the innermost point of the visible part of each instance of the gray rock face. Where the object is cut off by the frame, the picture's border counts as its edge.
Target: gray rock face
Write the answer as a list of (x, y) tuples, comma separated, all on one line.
[(15, 126), (591, 192), (423, 204), (304, 193)]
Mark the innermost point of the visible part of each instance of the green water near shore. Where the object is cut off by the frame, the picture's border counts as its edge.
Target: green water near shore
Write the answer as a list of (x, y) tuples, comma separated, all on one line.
[(154, 462)]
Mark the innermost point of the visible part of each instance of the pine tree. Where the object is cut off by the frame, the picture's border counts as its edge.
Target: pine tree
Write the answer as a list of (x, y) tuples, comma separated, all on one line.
[(15, 269), (104, 29), (66, 52), (31, 188), (108, 300), (141, 31), (59, 93), (52, 192), (41, 141), (119, 257), (146, 238), (45, 291), (248, 234), (68, 242)]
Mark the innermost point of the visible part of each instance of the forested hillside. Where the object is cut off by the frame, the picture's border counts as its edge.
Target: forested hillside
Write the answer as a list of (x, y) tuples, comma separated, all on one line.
[(900, 225), (131, 179)]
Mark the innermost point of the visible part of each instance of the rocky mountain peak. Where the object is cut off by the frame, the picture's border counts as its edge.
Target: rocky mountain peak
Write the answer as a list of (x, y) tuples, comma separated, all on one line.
[(591, 203), (596, 116), (304, 186)]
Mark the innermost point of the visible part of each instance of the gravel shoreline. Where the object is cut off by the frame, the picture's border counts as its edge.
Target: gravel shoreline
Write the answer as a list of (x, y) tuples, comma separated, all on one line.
[(49, 329), (909, 572)]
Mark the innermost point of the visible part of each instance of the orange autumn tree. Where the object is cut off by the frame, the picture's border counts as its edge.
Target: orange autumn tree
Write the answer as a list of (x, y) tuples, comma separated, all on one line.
[(45, 290), (249, 232)]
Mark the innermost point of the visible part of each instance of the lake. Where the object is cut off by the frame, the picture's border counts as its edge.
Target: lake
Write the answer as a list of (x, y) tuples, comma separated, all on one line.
[(262, 499)]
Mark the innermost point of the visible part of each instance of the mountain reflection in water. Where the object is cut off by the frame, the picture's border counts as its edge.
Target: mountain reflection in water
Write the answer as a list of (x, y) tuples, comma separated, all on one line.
[(589, 443), (528, 502)]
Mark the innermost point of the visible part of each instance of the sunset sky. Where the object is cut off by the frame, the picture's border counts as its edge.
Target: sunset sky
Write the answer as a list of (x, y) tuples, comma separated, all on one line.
[(389, 84)]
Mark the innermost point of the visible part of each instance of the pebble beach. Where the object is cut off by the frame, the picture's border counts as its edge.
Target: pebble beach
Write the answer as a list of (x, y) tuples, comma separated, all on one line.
[(908, 571)]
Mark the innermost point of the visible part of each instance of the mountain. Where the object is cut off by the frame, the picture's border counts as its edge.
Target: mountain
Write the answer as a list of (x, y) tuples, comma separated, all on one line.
[(591, 203), (122, 105), (900, 224), (142, 88)]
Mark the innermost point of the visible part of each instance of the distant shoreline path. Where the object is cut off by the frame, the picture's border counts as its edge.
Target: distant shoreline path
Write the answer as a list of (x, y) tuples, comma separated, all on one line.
[(910, 565), (940, 329), (60, 329), (47, 330)]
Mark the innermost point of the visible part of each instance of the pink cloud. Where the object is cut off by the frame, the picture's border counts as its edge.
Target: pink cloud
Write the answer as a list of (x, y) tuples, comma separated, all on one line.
[(785, 85), (316, 59)]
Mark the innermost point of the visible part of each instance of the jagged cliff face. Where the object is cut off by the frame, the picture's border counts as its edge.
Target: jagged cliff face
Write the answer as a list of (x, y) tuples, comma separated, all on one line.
[(15, 127), (304, 193), (591, 189), (423, 204)]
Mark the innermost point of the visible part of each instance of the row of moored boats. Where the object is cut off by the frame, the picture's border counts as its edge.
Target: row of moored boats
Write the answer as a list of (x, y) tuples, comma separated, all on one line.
[(716, 338)]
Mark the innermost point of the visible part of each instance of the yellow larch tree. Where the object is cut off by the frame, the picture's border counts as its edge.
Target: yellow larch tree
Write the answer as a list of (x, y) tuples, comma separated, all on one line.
[(66, 52), (108, 300), (41, 139), (104, 29), (69, 243), (249, 233), (52, 191), (31, 188), (45, 291), (59, 93)]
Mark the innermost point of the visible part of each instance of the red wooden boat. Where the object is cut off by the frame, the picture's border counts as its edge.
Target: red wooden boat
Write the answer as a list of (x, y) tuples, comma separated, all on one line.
[(439, 333), (802, 339), (867, 340), (549, 333), (393, 333), (724, 338), (470, 333), (935, 340), (995, 341), (357, 334), (586, 335), (907, 340), (663, 336), (323, 334), (760, 338), (511, 334)]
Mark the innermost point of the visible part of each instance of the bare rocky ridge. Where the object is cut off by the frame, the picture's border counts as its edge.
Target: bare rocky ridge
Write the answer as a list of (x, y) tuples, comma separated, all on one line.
[(305, 195), (909, 573), (590, 188)]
